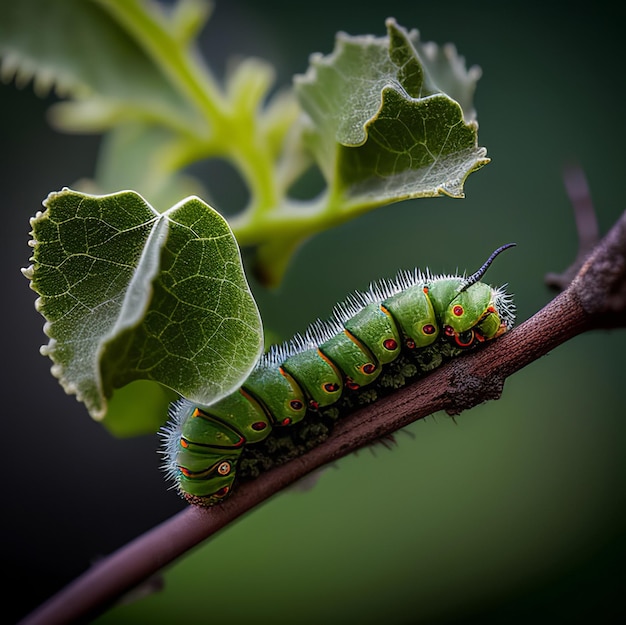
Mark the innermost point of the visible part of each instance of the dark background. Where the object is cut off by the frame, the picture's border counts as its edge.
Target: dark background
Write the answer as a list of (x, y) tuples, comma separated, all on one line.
[(516, 514)]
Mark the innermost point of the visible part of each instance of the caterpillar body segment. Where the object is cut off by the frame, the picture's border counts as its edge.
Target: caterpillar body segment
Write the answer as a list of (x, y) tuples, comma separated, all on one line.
[(421, 316)]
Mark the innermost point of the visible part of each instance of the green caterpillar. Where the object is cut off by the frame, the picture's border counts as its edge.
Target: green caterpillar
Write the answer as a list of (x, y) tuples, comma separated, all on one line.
[(423, 316)]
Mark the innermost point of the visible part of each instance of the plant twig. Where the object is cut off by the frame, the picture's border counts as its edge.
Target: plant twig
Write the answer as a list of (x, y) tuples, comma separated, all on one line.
[(579, 195), (596, 298)]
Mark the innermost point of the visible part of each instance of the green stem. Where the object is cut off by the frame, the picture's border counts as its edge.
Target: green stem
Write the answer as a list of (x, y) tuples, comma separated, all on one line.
[(239, 136), (296, 219), (179, 66)]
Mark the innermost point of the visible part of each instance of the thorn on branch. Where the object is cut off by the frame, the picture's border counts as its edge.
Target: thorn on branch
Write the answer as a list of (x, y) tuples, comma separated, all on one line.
[(597, 276), (579, 195)]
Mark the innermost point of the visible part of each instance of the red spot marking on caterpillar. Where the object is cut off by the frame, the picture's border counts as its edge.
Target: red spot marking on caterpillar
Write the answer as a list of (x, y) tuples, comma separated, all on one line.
[(313, 404), (390, 344), (197, 413), (368, 368), (410, 343), (296, 404), (259, 425), (240, 442), (491, 309), (425, 289), (457, 311), (221, 492), (184, 443), (286, 421), (353, 386), (429, 328), (331, 387), (449, 330), (185, 472)]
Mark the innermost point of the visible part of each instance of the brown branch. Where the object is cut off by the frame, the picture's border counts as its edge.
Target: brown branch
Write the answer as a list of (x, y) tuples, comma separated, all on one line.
[(596, 298)]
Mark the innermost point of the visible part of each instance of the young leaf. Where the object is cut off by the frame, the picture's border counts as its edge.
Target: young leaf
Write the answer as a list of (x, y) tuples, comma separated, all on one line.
[(382, 129), (130, 294)]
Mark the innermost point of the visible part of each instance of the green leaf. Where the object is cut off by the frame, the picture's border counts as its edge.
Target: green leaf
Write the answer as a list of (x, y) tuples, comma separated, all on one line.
[(78, 47), (381, 128), (130, 294)]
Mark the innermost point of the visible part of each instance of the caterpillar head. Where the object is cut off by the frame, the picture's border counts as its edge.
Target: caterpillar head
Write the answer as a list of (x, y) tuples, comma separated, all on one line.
[(475, 312), (471, 317)]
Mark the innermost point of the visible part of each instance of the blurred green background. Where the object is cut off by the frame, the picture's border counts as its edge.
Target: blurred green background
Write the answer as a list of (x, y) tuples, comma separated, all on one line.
[(515, 513)]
